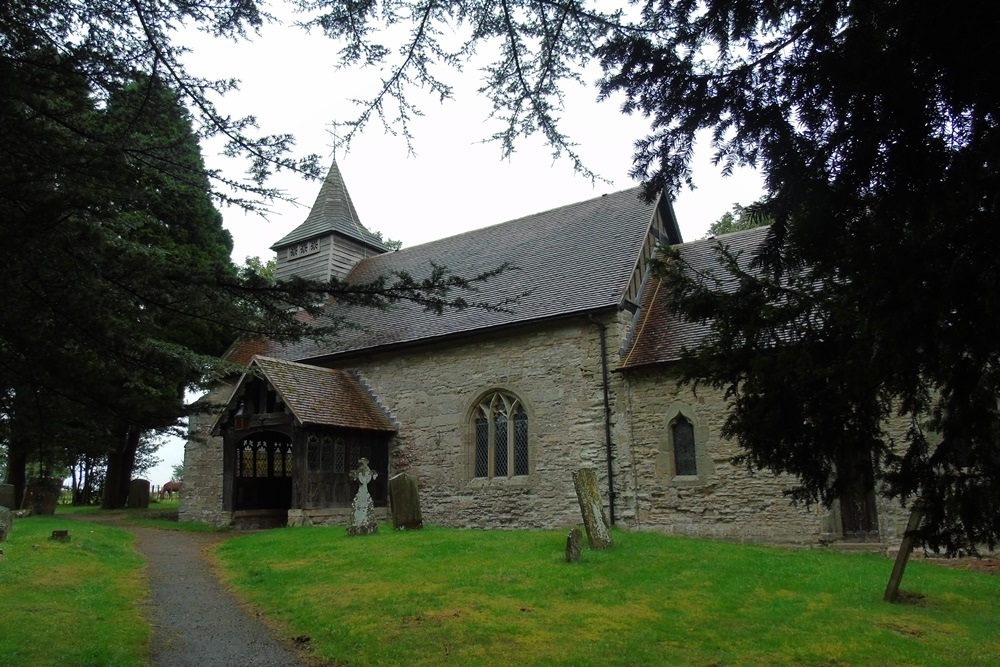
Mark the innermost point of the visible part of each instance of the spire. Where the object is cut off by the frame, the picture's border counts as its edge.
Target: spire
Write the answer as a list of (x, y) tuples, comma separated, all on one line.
[(333, 211)]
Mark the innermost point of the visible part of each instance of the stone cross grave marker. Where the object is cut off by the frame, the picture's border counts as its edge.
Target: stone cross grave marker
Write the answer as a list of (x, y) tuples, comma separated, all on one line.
[(363, 509), (404, 502), (595, 521)]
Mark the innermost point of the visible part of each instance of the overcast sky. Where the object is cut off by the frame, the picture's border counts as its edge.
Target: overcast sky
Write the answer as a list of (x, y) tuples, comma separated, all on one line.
[(452, 183)]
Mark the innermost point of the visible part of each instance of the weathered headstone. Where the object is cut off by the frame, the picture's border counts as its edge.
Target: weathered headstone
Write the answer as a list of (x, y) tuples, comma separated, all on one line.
[(42, 495), (138, 493), (404, 502), (6, 523), (7, 497), (595, 521), (574, 542), (363, 509)]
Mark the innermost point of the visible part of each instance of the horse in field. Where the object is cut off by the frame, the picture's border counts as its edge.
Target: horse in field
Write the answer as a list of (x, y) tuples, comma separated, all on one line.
[(169, 489)]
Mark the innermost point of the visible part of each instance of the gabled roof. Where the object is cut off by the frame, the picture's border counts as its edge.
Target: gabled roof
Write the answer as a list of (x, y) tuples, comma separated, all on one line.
[(319, 396), (333, 211), (660, 335), (567, 261)]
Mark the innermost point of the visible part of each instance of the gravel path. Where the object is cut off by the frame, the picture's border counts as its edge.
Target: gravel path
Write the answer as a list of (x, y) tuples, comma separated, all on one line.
[(195, 620)]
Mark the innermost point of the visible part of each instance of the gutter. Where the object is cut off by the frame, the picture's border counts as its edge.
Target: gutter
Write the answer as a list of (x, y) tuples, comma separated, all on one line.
[(603, 330)]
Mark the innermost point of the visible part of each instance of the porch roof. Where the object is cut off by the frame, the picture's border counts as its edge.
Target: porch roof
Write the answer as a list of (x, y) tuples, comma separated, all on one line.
[(323, 396)]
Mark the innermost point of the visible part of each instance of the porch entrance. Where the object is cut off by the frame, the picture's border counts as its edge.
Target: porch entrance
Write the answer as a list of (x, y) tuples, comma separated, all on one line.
[(262, 476)]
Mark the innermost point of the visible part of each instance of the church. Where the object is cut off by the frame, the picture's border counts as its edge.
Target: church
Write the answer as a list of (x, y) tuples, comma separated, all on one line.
[(492, 410)]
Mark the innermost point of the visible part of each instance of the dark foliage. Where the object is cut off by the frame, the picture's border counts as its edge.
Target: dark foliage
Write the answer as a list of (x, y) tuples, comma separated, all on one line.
[(876, 125)]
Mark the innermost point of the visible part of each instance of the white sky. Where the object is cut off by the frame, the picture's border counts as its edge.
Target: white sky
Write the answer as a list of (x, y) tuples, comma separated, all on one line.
[(453, 183)]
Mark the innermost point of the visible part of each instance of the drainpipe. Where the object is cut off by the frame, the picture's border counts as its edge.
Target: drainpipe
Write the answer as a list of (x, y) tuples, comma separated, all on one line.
[(603, 329)]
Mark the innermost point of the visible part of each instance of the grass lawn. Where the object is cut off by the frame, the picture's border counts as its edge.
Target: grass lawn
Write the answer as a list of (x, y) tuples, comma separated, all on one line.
[(75, 603), (161, 514), (442, 596)]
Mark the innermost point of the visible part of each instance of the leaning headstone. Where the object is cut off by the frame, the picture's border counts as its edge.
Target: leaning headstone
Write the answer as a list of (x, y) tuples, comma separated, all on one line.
[(363, 509), (574, 542), (404, 502), (595, 521), (6, 523), (7, 496), (138, 493)]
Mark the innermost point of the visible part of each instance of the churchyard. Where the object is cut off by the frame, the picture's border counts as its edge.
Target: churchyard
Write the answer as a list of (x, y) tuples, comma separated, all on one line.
[(464, 597)]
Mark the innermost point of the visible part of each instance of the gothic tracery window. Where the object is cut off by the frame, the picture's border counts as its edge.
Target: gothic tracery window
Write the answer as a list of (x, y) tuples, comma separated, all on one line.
[(501, 437)]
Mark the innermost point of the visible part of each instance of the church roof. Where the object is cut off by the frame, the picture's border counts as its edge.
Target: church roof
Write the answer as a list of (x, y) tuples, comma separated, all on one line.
[(567, 261), (661, 336), (333, 211), (323, 396)]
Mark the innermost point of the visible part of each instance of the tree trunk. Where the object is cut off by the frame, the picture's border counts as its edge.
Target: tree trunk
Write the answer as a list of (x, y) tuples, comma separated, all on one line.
[(120, 463), (17, 464)]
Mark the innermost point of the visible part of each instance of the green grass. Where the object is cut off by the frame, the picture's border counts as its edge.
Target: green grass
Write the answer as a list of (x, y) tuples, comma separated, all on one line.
[(75, 603), (508, 598), (161, 515)]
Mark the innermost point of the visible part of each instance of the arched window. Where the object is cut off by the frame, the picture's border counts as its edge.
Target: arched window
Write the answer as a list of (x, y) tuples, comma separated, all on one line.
[(685, 456), (501, 437)]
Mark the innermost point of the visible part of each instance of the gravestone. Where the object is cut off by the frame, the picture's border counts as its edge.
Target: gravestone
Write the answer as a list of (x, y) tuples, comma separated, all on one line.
[(404, 502), (42, 495), (6, 523), (363, 509), (574, 542), (138, 493), (595, 521), (7, 498)]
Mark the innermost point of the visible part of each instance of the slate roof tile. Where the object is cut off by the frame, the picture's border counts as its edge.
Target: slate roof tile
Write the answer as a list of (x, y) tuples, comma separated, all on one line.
[(660, 335), (573, 259), (323, 396), (333, 211)]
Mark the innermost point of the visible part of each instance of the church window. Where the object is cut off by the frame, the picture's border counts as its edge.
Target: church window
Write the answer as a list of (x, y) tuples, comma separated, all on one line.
[(326, 455), (685, 456), (263, 458), (501, 437)]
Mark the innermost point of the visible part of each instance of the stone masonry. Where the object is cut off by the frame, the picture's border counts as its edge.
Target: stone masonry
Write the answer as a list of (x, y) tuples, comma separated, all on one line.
[(554, 368)]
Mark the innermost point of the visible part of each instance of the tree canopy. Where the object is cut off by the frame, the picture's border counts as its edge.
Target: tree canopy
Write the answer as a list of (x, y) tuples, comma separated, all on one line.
[(877, 129), (738, 219)]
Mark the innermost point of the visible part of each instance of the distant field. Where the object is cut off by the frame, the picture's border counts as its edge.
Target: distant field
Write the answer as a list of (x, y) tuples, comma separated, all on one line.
[(452, 597)]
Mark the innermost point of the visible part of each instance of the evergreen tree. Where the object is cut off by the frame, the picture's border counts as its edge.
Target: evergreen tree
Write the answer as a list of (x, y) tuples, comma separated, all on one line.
[(740, 218), (878, 131)]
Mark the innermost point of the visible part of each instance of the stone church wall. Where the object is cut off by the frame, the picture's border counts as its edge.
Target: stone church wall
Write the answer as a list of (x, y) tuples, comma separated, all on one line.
[(432, 392), (724, 500), (201, 497)]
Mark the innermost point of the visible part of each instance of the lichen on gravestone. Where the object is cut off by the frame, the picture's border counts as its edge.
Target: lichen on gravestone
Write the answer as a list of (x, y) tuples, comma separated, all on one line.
[(363, 509), (595, 520), (574, 542)]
